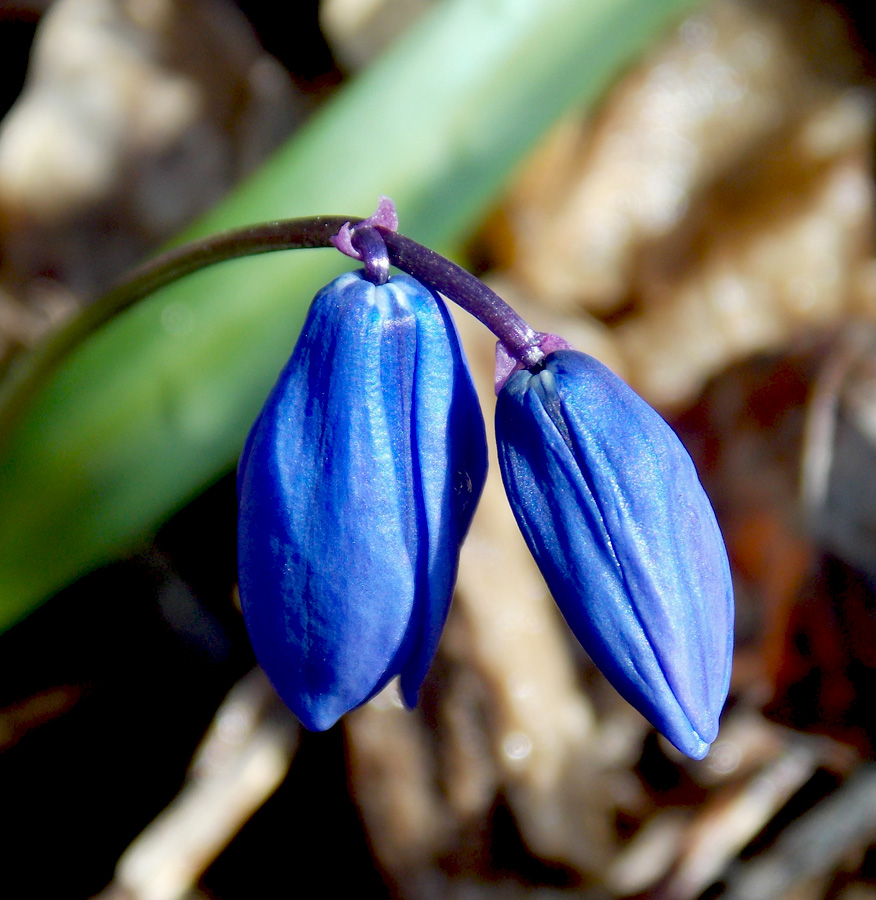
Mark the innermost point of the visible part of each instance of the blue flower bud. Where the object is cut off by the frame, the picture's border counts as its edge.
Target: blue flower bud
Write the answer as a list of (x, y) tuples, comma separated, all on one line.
[(611, 507), (356, 486)]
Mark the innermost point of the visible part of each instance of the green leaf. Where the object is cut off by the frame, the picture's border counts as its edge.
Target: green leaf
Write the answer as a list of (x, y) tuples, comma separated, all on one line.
[(155, 406)]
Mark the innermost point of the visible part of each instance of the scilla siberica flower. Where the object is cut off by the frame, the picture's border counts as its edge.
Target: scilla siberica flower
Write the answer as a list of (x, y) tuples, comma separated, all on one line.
[(359, 479), (356, 486), (613, 512)]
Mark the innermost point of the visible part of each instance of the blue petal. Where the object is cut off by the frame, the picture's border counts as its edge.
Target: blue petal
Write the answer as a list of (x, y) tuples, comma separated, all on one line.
[(451, 455), (613, 511), (349, 530)]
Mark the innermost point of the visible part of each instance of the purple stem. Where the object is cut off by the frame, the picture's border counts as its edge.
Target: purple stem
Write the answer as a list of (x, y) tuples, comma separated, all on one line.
[(29, 372), (467, 291), (368, 242), (376, 242)]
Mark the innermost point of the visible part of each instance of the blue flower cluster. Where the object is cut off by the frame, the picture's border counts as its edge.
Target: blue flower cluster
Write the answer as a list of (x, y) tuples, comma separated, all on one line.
[(359, 479)]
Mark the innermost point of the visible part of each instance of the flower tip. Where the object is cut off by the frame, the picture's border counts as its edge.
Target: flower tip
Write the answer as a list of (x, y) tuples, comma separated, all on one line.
[(692, 734), (696, 748), (316, 714), (410, 689)]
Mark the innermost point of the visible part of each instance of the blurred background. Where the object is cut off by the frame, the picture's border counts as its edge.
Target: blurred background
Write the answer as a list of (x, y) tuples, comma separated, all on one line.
[(697, 211)]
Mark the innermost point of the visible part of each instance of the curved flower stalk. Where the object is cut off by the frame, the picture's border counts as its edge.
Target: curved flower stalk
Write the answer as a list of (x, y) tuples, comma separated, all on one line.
[(613, 511), (357, 485)]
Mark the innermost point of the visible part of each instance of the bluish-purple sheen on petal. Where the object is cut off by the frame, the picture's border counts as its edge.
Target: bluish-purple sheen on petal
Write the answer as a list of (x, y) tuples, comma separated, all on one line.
[(356, 487), (613, 511)]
